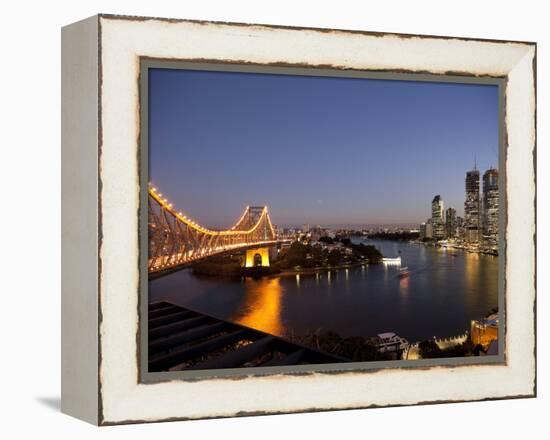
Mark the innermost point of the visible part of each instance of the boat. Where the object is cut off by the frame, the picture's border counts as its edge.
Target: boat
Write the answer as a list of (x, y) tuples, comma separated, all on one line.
[(396, 260), (403, 272), (389, 341)]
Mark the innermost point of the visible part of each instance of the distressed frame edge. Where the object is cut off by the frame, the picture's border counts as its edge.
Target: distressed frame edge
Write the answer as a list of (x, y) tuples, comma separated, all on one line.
[(124, 17), (532, 153)]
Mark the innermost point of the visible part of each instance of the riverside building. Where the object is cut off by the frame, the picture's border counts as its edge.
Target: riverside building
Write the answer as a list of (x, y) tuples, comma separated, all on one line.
[(472, 207), (438, 218), (450, 222), (490, 207)]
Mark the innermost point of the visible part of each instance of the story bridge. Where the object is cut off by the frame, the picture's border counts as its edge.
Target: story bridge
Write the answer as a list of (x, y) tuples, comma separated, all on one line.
[(176, 241)]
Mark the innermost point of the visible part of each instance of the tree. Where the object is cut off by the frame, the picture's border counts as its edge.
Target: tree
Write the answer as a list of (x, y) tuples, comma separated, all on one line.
[(368, 251), (429, 349), (317, 252), (334, 257), (295, 256), (346, 242)]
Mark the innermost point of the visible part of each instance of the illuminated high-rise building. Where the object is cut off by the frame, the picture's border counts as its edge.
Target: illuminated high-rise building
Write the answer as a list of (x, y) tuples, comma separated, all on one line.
[(422, 231), (471, 207), (438, 218), (460, 227), (490, 207), (450, 222), (429, 229)]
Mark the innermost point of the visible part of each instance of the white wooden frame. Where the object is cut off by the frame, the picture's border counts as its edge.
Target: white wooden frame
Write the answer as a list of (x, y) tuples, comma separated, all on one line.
[(101, 193)]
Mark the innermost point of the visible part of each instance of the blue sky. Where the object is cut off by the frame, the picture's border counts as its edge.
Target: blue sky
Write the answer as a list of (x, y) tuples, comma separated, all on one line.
[(330, 151)]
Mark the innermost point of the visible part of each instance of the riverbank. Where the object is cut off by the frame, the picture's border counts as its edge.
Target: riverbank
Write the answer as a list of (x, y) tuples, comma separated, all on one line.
[(254, 272), (324, 269), (460, 247), (233, 270)]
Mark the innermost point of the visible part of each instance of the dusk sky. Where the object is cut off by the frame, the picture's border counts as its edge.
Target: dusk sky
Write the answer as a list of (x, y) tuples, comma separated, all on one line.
[(317, 150)]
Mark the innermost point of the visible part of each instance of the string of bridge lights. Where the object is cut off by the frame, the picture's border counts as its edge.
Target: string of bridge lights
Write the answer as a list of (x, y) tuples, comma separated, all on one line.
[(163, 201)]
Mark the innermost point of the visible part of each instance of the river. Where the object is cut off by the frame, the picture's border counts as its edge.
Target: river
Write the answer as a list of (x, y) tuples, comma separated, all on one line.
[(445, 290)]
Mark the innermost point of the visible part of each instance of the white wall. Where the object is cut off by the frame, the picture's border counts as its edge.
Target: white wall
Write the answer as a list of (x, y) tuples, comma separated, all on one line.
[(30, 220)]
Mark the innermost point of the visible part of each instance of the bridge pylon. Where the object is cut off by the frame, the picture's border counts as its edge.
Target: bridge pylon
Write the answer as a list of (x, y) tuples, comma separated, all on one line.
[(258, 257)]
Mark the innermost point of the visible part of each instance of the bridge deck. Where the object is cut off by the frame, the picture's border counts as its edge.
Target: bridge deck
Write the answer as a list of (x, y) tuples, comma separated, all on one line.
[(182, 339), (161, 271)]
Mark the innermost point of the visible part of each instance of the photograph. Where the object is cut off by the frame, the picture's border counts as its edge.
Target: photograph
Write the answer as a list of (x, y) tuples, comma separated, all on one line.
[(305, 218)]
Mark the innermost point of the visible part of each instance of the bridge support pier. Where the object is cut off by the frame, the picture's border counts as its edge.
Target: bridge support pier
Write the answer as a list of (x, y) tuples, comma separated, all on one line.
[(257, 257)]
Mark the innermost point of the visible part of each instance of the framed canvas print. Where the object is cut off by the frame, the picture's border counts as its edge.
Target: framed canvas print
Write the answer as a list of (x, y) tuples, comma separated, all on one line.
[(262, 219)]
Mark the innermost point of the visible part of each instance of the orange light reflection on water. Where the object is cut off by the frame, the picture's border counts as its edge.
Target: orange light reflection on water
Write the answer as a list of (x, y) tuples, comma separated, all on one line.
[(471, 274), (263, 305), (404, 285)]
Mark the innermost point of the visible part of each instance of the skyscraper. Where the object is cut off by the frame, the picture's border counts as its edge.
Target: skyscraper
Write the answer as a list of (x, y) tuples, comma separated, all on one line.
[(460, 227), (471, 207), (429, 228), (450, 222), (425, 229), (490, 207), (438, 218)]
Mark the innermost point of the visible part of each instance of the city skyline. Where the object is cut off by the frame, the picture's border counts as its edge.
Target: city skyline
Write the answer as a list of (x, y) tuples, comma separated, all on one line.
[(329, 151), (480, 224)]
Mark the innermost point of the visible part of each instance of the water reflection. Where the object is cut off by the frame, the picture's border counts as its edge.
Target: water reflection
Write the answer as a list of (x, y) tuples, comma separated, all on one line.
[(262, 305), (471, 277), (404, 285)]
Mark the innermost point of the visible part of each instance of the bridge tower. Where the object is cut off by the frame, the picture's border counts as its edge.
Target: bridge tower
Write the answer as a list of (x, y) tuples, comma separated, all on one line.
[(254, 215), (257, 257)]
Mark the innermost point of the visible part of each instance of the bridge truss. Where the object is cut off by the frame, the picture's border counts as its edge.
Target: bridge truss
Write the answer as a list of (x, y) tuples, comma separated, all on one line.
[(175, 240)]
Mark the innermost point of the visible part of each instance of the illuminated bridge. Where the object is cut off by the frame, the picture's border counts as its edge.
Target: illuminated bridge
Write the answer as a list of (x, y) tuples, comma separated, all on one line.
[(177, 241)]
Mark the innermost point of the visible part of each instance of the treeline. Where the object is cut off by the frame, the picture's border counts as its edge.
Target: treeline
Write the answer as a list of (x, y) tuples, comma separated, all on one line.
[(308, 256), (364, 250), (355, 348)]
